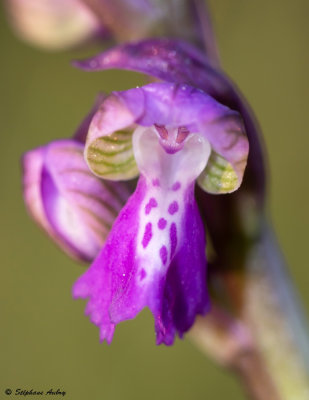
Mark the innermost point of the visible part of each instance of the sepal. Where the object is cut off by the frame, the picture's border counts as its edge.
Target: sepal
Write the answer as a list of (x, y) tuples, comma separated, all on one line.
[(74, 207)]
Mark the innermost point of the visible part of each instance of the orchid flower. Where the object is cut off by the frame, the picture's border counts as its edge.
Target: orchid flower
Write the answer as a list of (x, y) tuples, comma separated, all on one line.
[(171, 136)]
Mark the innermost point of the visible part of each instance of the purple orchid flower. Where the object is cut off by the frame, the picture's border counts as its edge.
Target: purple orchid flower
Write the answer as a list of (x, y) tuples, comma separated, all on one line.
[(171, 135)]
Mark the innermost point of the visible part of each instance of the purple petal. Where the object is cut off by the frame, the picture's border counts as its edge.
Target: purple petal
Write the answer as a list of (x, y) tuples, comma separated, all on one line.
[(184, 289), (74, 207), (166, 59), (155, 254), (112, 271)]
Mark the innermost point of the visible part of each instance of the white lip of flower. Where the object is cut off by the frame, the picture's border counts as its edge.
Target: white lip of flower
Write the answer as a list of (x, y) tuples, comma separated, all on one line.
[(168, 175)]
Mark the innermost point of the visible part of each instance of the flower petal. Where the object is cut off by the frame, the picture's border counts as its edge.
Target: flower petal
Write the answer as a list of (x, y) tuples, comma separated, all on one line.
[(155, 253), (169, 60), (219, 176), (226, 166), (108, 149), (74, 207), (111, 157)]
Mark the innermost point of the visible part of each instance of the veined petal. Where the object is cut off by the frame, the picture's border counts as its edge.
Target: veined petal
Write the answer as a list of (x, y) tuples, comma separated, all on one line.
[(108, 149), (230, 148), (74, 207), (155, 253), (111, 157), (219, 176)]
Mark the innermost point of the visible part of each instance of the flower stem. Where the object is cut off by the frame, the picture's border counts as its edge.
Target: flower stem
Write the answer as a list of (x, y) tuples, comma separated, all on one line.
[(251, 371)]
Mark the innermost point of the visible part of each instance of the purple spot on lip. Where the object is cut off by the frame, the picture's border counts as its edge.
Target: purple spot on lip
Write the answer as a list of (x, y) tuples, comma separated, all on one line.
[(162, 223), (176, 186), (147, 235), (173, 238), (173, 207), (151, 204), (163, 254), (143, 274), (156, 182)]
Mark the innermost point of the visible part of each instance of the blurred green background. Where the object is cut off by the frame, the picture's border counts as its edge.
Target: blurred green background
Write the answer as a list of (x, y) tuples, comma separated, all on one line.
[(46, 342)]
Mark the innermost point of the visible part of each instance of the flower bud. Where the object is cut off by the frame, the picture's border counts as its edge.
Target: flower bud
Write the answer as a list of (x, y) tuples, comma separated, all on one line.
[(52, 24)]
